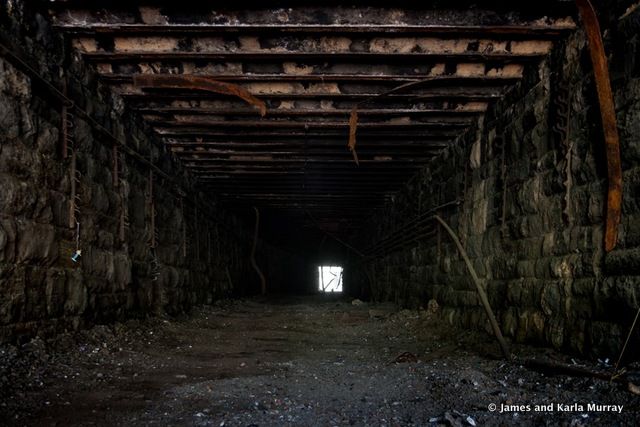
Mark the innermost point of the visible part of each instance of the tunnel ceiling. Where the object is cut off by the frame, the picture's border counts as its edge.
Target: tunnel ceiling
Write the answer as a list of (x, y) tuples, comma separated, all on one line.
[(418, 77)]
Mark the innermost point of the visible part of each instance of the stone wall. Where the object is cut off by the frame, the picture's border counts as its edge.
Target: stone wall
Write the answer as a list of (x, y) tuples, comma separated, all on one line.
[(119, 274), (530, 212)]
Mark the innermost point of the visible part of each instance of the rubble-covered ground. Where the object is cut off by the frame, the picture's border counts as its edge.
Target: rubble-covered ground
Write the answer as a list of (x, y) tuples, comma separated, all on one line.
[(300, 362)]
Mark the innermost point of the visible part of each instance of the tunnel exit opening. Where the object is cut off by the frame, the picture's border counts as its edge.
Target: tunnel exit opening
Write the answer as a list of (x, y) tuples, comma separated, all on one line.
[(329, 278)]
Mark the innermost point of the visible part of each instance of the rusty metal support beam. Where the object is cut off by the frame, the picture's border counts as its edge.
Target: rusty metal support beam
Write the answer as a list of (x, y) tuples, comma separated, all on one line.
[(274, 112), (234, 142), (609, 127), (119, 78), (391, 101), (508, 32), (285, 124), (310, 57), (171, 81), (191, 133), (73, 195)]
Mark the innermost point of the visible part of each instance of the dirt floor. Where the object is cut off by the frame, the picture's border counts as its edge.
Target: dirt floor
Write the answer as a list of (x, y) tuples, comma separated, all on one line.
[(302, 362)]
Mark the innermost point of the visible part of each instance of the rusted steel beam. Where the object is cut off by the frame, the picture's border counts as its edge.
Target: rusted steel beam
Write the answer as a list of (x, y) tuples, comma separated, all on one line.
[(401, 100), (394, 153), (116, 78), (312, 44), (330, 77), (317, 206), (170, 81), (312, 180), (508, 32), (362, 207), (323, 188), (609, 126), (261, 195), (271, 124), (242, 161), (318, 168), (67, 123), (315, 121), (73, 196), (368, 191), (274, 112), (310, 57), (297, 139), (369, 195), (232, 172), (262, 159), (335, 184), (368, 150), (428, 86), (213, 146), (253, 134)]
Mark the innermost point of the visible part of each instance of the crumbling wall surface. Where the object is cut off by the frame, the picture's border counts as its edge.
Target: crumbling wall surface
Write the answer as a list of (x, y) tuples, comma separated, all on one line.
[(199, 255), (531, 188)]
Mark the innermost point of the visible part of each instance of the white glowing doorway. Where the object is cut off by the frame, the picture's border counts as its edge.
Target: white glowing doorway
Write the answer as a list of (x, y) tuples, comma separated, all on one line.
[(329, 278)]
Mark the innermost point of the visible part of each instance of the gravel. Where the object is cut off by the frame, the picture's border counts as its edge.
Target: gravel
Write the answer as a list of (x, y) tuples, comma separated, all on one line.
[(299, 361)]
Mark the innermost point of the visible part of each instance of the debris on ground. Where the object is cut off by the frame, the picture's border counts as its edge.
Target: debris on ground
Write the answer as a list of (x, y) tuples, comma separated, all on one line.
[(405, 357), (297, 362)]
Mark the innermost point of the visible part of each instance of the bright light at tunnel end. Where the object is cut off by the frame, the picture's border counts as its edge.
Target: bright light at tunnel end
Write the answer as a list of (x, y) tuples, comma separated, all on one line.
[(329, 278)]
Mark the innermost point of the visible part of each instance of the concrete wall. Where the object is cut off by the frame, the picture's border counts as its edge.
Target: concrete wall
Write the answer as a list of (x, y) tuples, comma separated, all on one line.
[(530, 213), (41, 289)]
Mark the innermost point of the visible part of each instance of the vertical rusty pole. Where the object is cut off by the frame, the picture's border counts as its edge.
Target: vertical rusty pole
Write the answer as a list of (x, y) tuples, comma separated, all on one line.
[(64, 125), (73, 191), (609, 126), (65, 132)]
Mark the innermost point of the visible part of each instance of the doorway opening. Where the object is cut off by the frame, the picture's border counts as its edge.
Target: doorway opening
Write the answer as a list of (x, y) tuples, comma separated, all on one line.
[(329, 278)]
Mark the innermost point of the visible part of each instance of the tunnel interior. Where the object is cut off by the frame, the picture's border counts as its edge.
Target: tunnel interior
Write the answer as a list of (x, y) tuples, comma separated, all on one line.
[(464, 172)]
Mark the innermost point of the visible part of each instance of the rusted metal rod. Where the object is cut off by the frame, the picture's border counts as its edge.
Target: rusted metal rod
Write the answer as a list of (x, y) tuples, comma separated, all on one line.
[(481, 292), (172, 81), (609, 126), (73, 190)]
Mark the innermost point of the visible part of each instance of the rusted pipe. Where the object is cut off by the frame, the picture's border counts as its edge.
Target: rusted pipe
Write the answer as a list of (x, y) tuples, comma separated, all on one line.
[(172, 81), (481, 292), (609, 127), (73, 181)]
